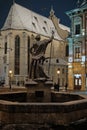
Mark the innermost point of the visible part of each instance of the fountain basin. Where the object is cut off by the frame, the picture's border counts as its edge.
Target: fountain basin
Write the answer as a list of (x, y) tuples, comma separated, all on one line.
[(53, 112)]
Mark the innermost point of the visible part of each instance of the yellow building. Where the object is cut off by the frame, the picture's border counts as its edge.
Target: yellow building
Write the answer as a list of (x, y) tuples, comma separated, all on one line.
[(77, 66), (17, 35)]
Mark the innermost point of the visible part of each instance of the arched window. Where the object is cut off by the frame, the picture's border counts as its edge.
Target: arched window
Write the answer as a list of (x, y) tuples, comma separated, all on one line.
[(77, 25), (17, 56)]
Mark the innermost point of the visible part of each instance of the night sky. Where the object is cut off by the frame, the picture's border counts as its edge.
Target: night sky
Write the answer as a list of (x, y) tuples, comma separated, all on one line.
[(41, 7)]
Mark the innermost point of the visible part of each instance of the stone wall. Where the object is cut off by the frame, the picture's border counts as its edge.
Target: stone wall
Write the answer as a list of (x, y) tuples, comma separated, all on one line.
[(42, 113), (51, 113)]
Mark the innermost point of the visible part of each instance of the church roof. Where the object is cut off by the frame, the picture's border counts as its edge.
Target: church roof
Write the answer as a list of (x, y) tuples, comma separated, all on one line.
[(20, 17)]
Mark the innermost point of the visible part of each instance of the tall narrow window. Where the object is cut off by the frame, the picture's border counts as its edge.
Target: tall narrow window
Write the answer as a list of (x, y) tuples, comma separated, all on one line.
[(5, 50), (28, 54), (77, 25), (77, 29), (17, 55), (67, 50), (77, 52)]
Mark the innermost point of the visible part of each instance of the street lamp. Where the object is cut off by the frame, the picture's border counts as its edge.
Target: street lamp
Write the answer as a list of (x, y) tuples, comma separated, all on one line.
[(10, 76), (58, 72)]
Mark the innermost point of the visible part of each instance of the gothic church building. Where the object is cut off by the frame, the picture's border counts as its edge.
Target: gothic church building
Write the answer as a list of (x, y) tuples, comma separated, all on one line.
[(16, 37)]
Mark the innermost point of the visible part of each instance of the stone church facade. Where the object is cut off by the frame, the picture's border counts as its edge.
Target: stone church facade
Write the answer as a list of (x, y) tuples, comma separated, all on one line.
[(16, 37)]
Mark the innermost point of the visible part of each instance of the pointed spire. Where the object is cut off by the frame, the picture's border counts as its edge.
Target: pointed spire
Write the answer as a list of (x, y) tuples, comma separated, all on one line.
[(52, 11), (78, 3), (52, 7), (13, 2)]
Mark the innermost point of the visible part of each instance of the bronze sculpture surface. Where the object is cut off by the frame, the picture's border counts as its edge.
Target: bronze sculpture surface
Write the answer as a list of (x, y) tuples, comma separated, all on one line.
[(38, 56)]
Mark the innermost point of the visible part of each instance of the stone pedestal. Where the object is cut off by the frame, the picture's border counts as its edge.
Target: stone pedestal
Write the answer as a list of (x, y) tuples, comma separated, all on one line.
[(39, 90)]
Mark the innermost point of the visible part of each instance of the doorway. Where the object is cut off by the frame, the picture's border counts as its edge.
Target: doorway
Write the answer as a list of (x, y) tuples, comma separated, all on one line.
[(77, 82)]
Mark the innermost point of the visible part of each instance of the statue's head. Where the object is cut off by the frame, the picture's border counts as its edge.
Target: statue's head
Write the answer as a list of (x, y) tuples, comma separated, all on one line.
[(38, 37)]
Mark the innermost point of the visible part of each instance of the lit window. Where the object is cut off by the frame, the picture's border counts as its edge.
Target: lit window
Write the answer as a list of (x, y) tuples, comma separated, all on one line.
[(76, 82), (77, 52), (80, 82)]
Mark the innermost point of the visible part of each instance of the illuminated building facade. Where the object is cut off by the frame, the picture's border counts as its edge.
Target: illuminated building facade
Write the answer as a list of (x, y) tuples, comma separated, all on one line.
[(77, 61)]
